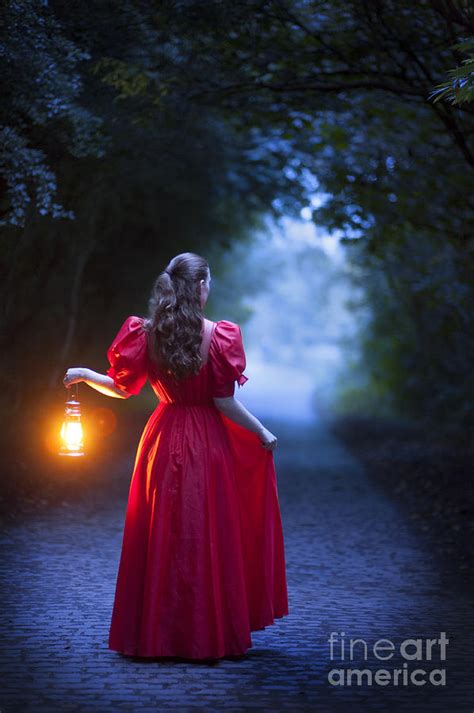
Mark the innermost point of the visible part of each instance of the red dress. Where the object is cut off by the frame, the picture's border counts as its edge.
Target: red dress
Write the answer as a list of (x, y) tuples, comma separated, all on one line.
[(202, 561)]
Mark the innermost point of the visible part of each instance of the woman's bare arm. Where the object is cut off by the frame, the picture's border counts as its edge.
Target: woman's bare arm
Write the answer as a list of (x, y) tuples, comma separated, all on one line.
[(99, 382), (236, 411)]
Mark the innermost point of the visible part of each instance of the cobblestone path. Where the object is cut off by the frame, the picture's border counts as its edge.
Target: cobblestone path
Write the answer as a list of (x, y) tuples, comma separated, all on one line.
[(354, 566)]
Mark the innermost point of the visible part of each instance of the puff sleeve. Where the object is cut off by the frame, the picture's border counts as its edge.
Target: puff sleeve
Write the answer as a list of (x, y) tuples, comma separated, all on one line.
[(228, 359), (127, 356)]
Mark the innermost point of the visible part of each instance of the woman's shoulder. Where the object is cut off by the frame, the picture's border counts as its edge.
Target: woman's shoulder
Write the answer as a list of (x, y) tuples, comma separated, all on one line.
[(135, 322), (225, 325), (226, 334), (131, 330), (225, 328)]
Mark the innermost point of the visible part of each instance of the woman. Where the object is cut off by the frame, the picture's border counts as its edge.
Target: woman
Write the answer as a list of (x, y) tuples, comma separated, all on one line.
[(202, 561)]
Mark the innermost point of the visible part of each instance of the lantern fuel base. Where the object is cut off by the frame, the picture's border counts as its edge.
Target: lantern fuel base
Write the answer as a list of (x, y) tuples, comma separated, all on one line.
[(72, 436)]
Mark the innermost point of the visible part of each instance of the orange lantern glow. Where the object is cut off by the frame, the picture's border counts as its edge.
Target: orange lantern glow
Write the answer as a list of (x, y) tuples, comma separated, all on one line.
[(72, 435)]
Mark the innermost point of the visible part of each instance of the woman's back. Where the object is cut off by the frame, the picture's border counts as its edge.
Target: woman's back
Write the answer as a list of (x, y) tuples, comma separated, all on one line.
[(223, 356)]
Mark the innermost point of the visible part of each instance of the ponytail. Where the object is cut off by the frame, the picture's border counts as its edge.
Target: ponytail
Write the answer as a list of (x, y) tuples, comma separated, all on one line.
[(175, 316)]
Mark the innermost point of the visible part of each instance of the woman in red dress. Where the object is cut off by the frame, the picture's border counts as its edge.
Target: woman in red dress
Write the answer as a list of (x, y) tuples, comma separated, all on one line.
[(202, 561)]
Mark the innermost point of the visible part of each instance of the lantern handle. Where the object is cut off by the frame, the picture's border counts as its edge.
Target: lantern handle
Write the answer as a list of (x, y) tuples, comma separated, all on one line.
[(74, 390)]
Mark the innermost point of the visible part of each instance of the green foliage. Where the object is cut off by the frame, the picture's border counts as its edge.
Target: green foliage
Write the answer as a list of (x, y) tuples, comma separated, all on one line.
[(459, 88), (416, 347), (41, 115)]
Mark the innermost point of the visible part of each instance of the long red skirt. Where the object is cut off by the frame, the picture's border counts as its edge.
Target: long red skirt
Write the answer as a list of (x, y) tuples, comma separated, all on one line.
[(202, 561)]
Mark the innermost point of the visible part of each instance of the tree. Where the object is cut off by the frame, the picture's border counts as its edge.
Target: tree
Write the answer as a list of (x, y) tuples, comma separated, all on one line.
[(41, 115)]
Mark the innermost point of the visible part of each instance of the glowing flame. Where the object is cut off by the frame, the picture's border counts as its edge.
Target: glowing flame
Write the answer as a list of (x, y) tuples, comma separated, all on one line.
[(72, 437)]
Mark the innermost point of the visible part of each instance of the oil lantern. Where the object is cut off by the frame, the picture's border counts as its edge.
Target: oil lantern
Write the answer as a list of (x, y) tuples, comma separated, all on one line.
[(72, 443)]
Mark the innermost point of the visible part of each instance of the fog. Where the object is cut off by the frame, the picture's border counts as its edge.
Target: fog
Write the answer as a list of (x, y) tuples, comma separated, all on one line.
[(305, 317)]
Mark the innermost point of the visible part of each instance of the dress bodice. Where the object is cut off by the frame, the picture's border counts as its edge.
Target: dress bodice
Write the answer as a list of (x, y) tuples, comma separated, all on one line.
[(131, 366)]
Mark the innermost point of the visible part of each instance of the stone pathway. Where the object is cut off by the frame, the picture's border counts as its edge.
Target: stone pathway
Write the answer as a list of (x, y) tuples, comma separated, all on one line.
[(354, 565)]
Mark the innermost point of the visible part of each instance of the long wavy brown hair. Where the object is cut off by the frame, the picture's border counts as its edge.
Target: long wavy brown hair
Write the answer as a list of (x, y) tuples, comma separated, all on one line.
[(175, 316)]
